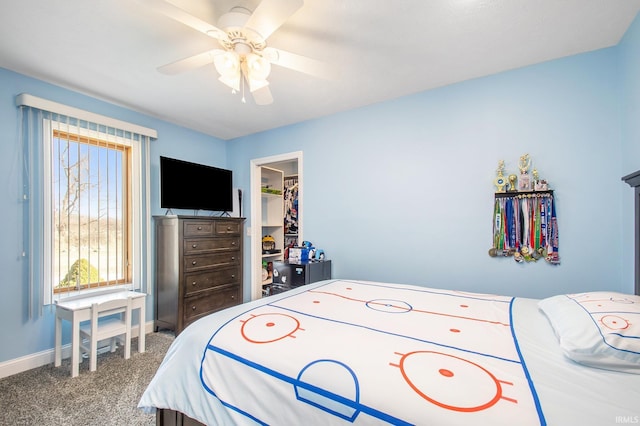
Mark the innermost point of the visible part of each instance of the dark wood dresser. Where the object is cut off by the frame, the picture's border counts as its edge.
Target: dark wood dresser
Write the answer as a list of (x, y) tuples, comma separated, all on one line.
[(198, 268)]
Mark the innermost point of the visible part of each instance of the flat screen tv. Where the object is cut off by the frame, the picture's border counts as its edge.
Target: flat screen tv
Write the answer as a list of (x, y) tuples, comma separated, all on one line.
[(185, 185)]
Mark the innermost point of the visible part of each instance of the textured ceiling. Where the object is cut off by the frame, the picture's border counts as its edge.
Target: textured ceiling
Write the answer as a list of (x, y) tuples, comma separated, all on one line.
[(378, 49)]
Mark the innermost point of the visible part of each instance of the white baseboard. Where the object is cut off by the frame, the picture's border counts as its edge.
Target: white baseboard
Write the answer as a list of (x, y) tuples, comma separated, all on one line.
[(27, 362)]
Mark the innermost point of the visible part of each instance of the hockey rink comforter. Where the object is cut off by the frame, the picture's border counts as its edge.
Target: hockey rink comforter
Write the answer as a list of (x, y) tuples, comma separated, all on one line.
[(343, 352)]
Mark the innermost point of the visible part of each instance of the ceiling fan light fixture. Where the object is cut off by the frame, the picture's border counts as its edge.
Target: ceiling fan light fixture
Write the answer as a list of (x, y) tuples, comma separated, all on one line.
[(227, 64), (257, 67), (256, 70)]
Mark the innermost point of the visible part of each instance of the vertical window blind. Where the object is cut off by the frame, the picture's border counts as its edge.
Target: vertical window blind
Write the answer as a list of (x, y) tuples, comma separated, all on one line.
[(86, 194)]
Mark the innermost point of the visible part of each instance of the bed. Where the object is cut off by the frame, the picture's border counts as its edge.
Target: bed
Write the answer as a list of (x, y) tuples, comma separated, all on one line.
[(338, 352)]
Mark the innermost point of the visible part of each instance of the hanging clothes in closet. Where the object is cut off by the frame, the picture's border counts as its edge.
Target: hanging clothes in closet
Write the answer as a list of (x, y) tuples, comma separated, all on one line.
[(291, 210)]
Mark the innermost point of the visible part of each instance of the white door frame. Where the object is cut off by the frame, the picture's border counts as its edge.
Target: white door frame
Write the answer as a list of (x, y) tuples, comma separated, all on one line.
[(256, 214)]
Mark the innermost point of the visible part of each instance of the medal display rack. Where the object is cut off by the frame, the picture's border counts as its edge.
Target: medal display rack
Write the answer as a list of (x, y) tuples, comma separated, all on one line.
[(525, 226), (524, 194)]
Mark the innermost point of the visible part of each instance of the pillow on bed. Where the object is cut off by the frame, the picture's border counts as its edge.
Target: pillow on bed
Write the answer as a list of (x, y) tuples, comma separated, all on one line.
[(599, 329)]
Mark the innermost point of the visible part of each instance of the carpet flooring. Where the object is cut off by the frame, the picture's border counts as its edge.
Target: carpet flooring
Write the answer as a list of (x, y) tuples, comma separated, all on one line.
[(48, 395)]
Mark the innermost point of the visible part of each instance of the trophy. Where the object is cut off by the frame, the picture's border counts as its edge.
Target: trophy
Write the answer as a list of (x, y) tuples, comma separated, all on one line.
[(500, 182), (524, 183), (539, 184), (512, 183)]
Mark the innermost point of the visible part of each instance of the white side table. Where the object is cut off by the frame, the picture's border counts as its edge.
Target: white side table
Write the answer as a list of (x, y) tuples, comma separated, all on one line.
[(78, 309)]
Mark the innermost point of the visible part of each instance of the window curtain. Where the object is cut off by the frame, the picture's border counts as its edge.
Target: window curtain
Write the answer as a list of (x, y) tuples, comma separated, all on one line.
[(34, 113)]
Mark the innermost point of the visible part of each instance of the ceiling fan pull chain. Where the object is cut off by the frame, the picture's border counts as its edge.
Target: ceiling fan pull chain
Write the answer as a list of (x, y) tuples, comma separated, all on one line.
[(244, 101)]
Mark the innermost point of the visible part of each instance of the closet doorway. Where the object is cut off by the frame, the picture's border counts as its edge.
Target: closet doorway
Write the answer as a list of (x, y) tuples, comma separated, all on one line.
[(288, 167)]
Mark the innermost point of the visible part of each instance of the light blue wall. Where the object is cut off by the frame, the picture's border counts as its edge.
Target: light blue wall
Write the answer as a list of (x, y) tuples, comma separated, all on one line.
[(630, 112), (402, 191), (22, 336)]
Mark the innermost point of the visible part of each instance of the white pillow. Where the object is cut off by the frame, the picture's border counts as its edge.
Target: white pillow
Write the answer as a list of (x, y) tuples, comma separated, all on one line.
[(599, 329)]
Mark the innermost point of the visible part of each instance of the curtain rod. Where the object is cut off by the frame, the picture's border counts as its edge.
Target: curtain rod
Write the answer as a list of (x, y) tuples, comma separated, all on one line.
[(25, 99)]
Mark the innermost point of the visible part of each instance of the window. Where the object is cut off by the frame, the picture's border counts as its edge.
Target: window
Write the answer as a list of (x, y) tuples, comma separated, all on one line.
[(90, 211), (93, 198)]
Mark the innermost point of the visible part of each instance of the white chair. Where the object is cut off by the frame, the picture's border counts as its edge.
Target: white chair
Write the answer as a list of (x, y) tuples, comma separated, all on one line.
[(109, 328)]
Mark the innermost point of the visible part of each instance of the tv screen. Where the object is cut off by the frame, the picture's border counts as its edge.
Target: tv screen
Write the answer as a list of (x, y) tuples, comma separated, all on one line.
[(185, 185)]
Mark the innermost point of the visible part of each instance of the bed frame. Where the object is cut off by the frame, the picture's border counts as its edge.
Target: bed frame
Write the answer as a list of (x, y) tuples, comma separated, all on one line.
[(166, 417), (634, 181)]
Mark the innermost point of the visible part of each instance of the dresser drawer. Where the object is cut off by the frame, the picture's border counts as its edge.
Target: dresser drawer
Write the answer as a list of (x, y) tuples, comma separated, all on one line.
[(196, 262), (204, 304), (199, 281), (227, 227), (198, 228), (197, 245)]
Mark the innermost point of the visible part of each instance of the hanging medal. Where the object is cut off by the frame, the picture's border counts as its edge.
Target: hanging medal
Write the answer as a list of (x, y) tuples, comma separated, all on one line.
[(493, 251)]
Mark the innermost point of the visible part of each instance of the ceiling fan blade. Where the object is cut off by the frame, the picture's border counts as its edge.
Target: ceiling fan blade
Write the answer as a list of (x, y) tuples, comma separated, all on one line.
[(192, 62), (271, 14), (262, 96), (299, 63), (184, 17)]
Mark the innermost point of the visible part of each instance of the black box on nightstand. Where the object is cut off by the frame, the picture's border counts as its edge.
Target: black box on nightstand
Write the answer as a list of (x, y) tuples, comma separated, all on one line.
[(295, 274)]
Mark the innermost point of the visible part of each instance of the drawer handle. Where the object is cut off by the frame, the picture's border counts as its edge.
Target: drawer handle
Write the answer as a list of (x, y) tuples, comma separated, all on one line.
[(193, 308), (194, 283), (233, 297), (194, 245), (233, 276), (194, 262), (233, 258), (228, 228), (233, 243), (199, 228)]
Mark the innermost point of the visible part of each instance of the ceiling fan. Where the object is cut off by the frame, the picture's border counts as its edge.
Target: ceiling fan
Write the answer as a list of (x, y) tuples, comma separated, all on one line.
[(244, 57)]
